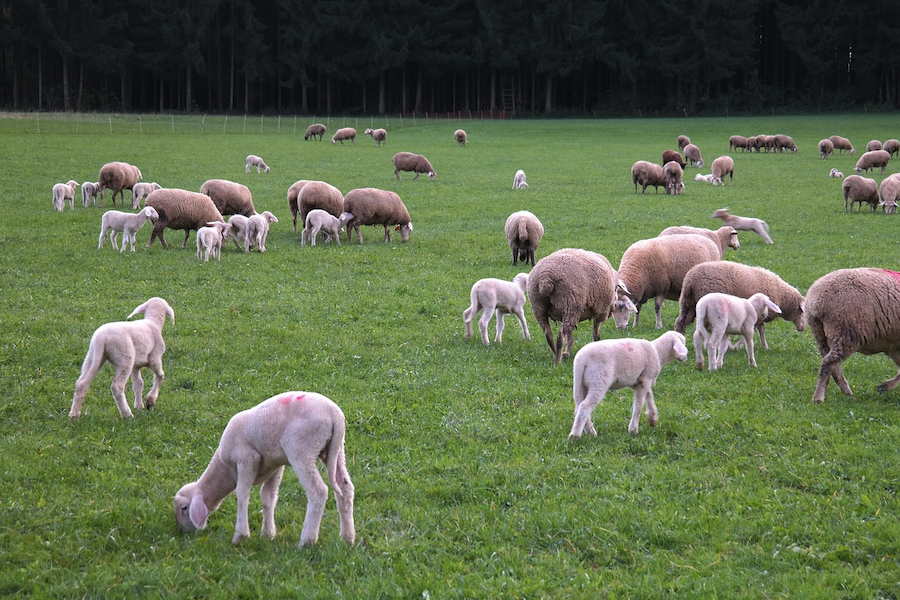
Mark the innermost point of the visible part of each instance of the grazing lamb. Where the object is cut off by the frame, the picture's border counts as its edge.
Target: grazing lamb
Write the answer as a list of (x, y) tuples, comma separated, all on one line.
[(346, 133), (89, 191), (379, 135), (519, 182), (757, 226), (615, 364), (500, 297), (237, 230), (63, 192), (114, 222), (293, 428), (784, 141), (229, 197), (873, 145), (720, 315), (672, 155), (118, 176), (370, 206), (673, 178), (258, 230), (255, 161), (646, 174), (128, 346), (892, 147), (140, 191), (407, 161), (692, 155), (683, 141), (872, 160), (890, 193), (523, 232), (737, 141), (860, 189), (841, 144), (210, 240), (460, 136), (854, 310), (722, 166), (826, 148), (317, 194), (180, 209), (293, 194), (320, 220), (316, 129), (835, 173)]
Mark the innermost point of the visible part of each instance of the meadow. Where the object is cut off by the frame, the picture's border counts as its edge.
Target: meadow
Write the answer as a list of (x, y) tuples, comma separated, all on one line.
[(466, 483)]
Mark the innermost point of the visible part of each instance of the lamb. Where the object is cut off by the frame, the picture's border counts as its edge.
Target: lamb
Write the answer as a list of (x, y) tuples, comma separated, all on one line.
[(346, 133), (871, 160), (890, 193), (692, 155), (114, 222), (615, 364), (237, 230), (683, 141), (407, 161), (320, 220), (370, 206), (255, 161), (835, 173), (672, 155), (180, 209), (519, 182), (723, 237), (258, 230), (292, 428), (89, 191), (570, 286), (841, 144), (757, 226), (229, 197), (293, 194), (873, 145), (140, 191), (673, 178), (722, 166), (460, 136), (646, 173), (118, 176), (210, 240), (860, 189), (826, 148), (62, 192), (701, 177), (892, 147), (318, 194), (379, 135), (737, 141), (316, 129), (720, 315), (784, 141), (500, 297), (523, 232), (128, 346)]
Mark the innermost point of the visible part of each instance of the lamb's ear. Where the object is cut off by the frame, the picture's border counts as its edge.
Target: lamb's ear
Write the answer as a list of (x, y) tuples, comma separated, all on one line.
[(772, 306), (346, 216), (139, 310), (171, 312), (621, 284), (680, 348), (198, 512)]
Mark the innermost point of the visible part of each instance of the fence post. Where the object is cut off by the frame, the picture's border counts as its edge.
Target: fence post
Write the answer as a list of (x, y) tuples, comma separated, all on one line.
[(225, 124)]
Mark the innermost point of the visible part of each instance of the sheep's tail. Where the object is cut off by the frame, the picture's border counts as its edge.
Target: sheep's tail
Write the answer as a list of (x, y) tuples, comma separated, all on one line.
[(334, 460), (523, 230), (578, 388)]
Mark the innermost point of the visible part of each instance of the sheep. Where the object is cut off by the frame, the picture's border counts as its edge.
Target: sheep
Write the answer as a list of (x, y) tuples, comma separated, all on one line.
[(673, 178), (860, 189), (318, 194), (826, 148), (118, 176), (835, 173), (523, 232), (720, 315), (379, 135), (701, 177), (892, 147), (258, 230), (89, 191), (767, 142), (752, 144), (723, 237), (672, 155), (370, 206), (128, 346), (646, 173), (210, 240), (871, 160), (841, 144), (743, 281), (229, 197), (519, 182), (497, 296), (683, 141), (346, 133), (757, 226), (180, 209), (737, 141), (140, 191), (570, 286), (692, 155), (873, 145), (320, 220), (890, 193), (784, 141), (407, 161), (113, 222), (255, 161), (461, 137), (615, 364), (62, 192), (722, 166), (316, 129), (292, 428), (237, 230), (293, 194)]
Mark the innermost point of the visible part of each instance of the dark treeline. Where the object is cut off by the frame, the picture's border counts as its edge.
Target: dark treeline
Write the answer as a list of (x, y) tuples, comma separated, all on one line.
[(387, 56)]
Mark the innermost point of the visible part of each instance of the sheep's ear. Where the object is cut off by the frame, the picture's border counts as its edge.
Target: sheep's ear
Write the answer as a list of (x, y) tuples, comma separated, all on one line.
[(139, 310), (346, 216), (198, 512), (621, 285), (171, 312), (680, 348), (772, 306)]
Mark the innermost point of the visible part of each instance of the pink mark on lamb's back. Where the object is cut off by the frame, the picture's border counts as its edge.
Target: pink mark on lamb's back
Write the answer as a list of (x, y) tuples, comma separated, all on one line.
[(893, 274), (289, 397)]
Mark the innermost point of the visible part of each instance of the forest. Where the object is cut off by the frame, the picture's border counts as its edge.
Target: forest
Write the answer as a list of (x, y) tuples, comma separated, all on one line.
[(522, 57)]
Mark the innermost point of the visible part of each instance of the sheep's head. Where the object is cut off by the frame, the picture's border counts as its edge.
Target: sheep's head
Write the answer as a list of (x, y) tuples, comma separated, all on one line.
[(405, 230), (431, 175), (151, 213), (190, 510), (622, 309)]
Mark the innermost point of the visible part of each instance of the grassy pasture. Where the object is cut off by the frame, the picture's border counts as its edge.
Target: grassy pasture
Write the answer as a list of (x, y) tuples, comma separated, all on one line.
[(466, 484)]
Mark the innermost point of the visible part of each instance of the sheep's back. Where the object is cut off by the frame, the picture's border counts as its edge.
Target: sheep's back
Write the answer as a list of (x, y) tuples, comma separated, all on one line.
[(182, 209), (118, 175), (572, 279), (742, 281), (230, 198), (657, 266), (371, 206), (321, 195)]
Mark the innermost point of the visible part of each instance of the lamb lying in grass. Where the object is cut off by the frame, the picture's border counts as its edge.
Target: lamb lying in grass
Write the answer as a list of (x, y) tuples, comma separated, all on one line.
[(720, 315), (500, 297)]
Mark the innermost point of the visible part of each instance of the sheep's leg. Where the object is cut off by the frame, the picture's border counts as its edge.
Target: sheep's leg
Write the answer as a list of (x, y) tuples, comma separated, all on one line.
[(358, 233), (344, 500), (831, 365), (484, 321), (699, 343), (268, 494), (596, 330), (158, 377), (112, 239), (246, 474), (92, 364), (636, 409), (137, 386), (548, 335), (187, 234), (686, 316), (891, 383), (583, 413), (103, 233), (566, 338), (748, 342), (387, 233), (520, 314), (637, 315), (761, 328), (650, 405), (316, 496), (468, 315), (658, 305), (118, 390), (501, 323), (309, 237), (722, 348), (515, 254)]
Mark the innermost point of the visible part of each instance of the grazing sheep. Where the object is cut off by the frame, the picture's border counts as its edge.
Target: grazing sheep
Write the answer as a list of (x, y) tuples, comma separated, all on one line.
[(128, 346), (140, 191), (646, 174), (570, 286), (180, 209), (523, 232), (737, 141), (722, 166), (293, 194), (743, 281), (890, 193), (229, 197), (259, 163), (860, 189), (872, 160), (63, 192), (210, 240), (379, 135), (784, 141), (723, 237), (461, 138), (370, 206), (835, 173), (320, 220), (873, 145), (720, 315), (321, 195), (683, 141), (853, 310), (615, 364), (519, 182), (293, 428), (673, 178), (89, 191), (316, 129), (346, 133), (237, 230), (826, 148), (500, 297), (118, 176), (752, 143), (672, 155), (892, 147), (692, 155), (841, 144), (114, 222), (757, 226), (258, 230), (407, 161)]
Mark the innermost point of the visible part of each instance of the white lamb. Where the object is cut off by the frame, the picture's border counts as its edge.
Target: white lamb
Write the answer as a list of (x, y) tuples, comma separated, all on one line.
[(258, 230), (706, 178), (757, 226), (615, 364), (62, 192), (519, 182), (720, 315), (500, 297), (114, 222), (140, 191), (835, 173), (210, 240), (321, 220), (255, 161), (89, 191), (129, 346), (238, 230)]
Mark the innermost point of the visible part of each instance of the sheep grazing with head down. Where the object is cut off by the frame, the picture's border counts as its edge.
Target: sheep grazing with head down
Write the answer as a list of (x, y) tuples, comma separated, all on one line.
[(128, 346), (873, 145), (497, 296), (321, 195), (523, 232), (346, 133), (722, 166), (872, 160), (673, 178), (461, 137), (841, 143), (319, 220), (258, 230), (114, 222), (737, 141), (229, 197), (890, 193), (672, 155), (293, 194), (316, 129), (293, 428), (892, 147), (210, 240), (784, 142), (692, 155), (646, 174), (757, 226), (683, 141), (519, 182), (826, 148), (140, 191), (118, 176), (407, 161), (89, 191), (616, 364), (379, 135), (371, 206), (256, 161), (860, 189), (720, 315), (180, 209), (63, 192)]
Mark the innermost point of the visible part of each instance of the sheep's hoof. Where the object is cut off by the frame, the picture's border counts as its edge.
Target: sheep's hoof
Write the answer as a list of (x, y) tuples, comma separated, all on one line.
[(883, 388)]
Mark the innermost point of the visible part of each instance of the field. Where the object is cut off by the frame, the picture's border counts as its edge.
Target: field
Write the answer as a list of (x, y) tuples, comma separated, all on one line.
[(466, 484)]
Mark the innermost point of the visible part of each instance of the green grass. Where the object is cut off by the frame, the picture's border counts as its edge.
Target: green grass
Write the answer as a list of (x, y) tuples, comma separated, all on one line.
[(466, 484)]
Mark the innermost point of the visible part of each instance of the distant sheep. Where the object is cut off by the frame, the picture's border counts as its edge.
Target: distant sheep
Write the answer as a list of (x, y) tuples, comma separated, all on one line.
[(873, 145), (258, 231), (672, 155), (892, 147), (118, 176), (114, 222), (872, 160), (683, 141), (860, 189), (757, 226), (737, 141), (461, 138), (826, 148), (407, 161), (316, 129), (836, 174), (890, 193), (180, 209), (319, 220), (255, 161), (313, 195), (783, 142), (646, 174), (496, 296), (523, 232), (519, 182), (63, 192), (89, 191), (371, 206), (692, 155), (841, 144), (720, 315), (229, 197), (346, 133), (379, 135), (722, 166), (140, 191), (673, 178)]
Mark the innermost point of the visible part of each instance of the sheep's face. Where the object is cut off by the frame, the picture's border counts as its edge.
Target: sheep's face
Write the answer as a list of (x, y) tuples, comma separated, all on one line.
[(190, 511), (622, 310), (431, 175), (405, 230)]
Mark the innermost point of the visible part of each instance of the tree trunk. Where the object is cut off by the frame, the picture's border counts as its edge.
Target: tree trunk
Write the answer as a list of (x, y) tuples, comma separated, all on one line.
[(382, 100), (65, 82), (548, 94), (420, 88), (188, 100), (493, 103)]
